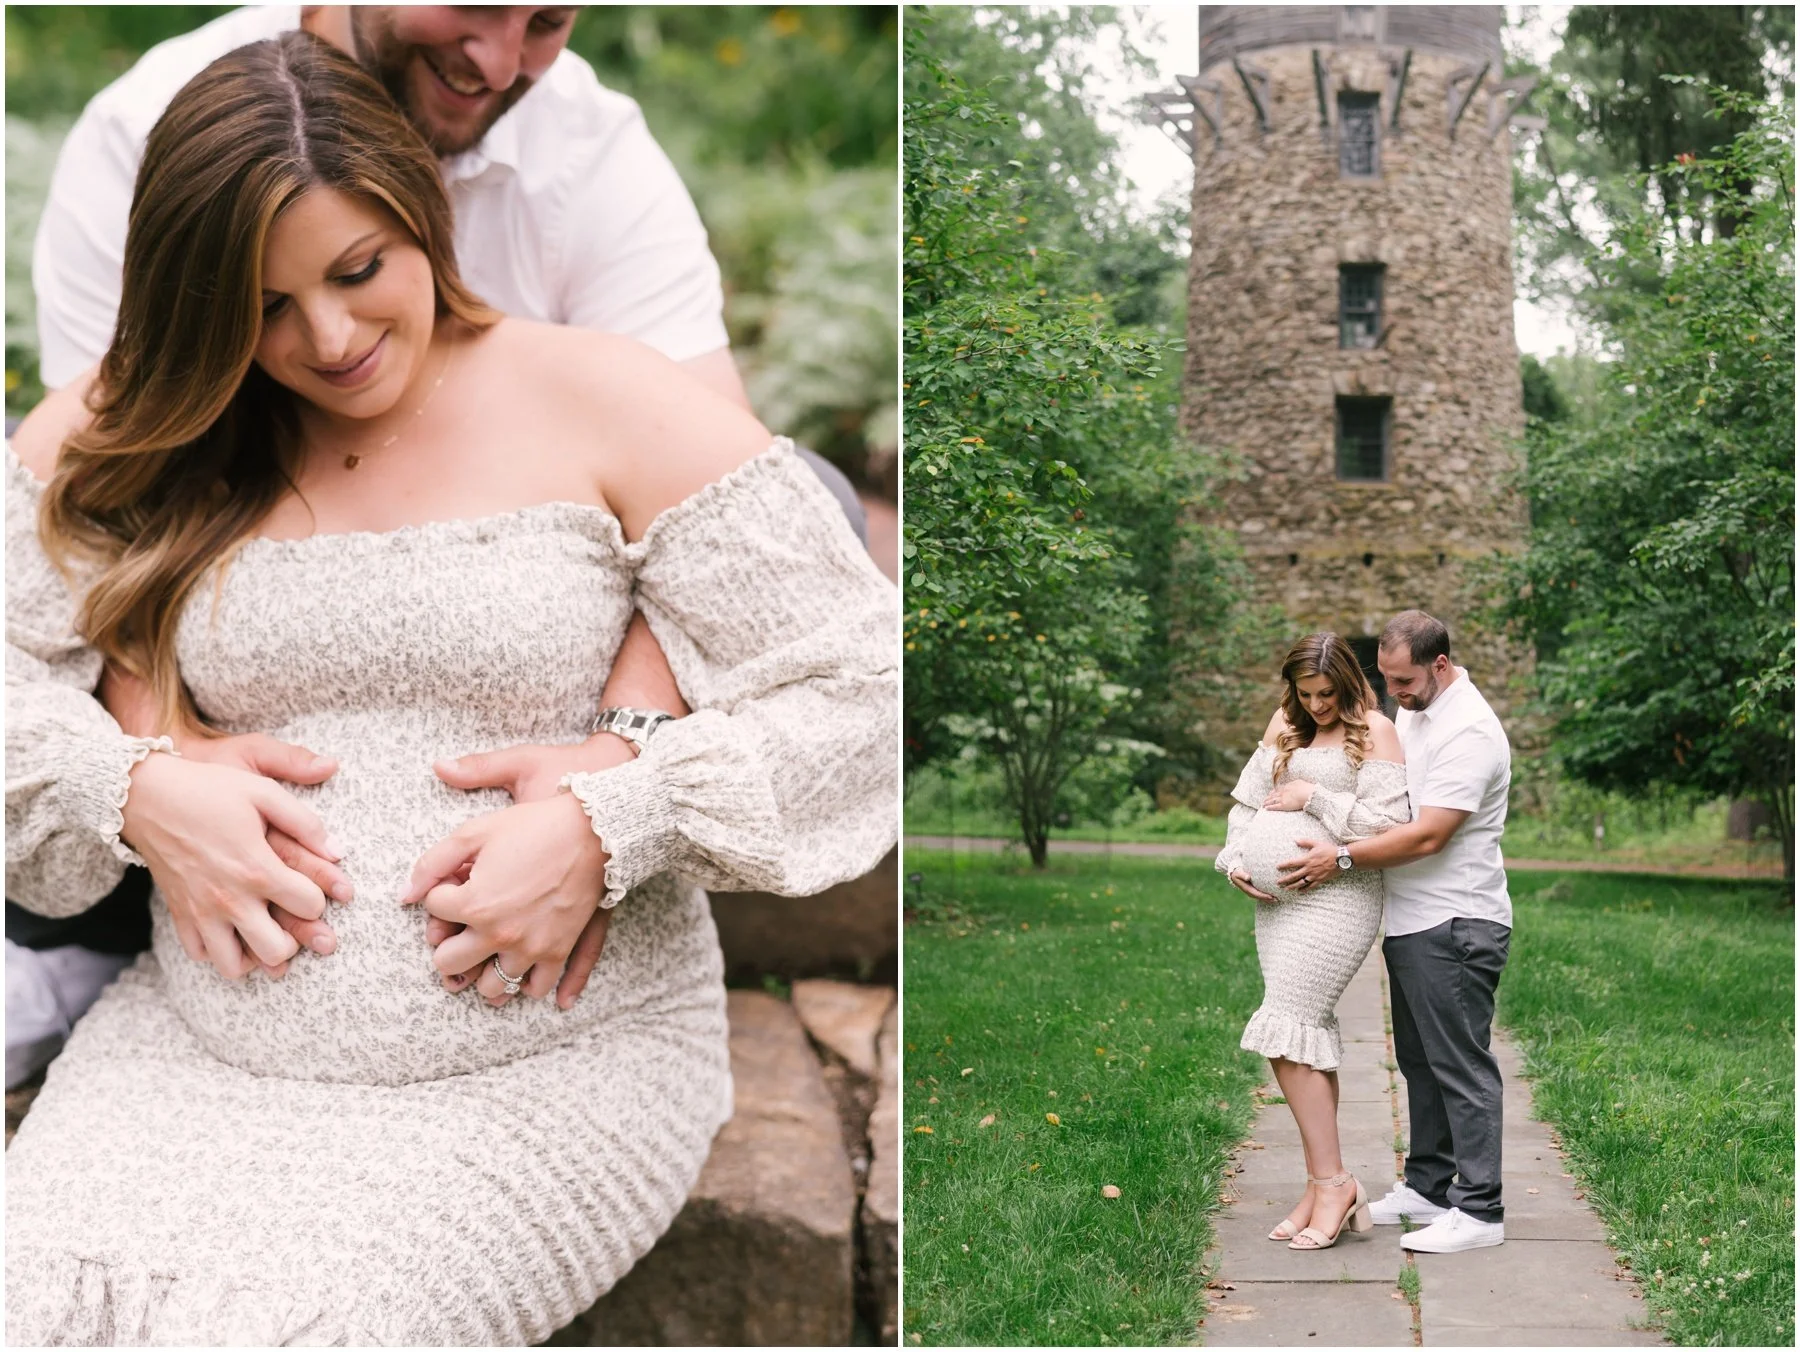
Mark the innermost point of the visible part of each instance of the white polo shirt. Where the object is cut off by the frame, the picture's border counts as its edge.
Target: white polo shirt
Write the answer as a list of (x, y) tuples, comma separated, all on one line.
[(1456, 757), (568, 211)]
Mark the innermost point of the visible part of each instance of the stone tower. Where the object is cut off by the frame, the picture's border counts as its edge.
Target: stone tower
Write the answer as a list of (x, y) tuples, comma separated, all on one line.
[(1350, 326)]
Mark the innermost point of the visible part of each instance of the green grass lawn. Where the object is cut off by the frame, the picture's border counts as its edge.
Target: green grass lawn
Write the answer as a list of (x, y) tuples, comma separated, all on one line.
[(1656, 1016), (1113, 1002)]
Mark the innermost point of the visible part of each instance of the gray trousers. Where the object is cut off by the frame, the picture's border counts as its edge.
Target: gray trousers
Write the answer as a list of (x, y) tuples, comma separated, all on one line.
[(1442, 986)]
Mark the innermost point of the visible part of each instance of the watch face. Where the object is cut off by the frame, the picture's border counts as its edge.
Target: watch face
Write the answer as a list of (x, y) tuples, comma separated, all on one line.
[(1343, 861)]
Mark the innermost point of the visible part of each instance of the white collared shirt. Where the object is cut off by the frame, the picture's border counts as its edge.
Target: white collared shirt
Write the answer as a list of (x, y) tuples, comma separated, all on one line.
[(1457, 757), (568, 211)]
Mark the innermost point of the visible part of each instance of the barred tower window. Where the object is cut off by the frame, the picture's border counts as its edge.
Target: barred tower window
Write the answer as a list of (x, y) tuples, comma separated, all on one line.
[(1359, 146), (1362, 438), (1359, 304)]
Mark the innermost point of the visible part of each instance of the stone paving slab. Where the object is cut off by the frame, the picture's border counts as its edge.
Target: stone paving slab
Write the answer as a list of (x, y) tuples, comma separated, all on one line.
[(1373, 1256), (1512, 1336), (1570, 1284), (1309, 1314), (1552, 1284)]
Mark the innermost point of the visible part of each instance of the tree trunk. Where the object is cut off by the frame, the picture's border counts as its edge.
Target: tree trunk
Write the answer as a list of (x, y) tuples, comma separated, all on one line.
[(1038, 842)]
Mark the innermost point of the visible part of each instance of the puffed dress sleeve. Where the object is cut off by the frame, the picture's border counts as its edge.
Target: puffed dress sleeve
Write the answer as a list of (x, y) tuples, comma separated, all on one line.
[(1256, 783), (68, 764), (782, 636), (1378, 803)]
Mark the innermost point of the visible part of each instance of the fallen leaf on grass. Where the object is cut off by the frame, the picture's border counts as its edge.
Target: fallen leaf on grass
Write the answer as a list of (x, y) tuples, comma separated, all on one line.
[(923, 1131), (1033, 1168), (1580, 1195), (1053, 1119), (1224, 1107), (987, 1121), (1109, 1191)]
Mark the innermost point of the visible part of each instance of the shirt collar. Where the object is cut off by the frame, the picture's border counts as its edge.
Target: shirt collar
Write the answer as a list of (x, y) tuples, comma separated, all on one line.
[(498, 149), (1448, 697)]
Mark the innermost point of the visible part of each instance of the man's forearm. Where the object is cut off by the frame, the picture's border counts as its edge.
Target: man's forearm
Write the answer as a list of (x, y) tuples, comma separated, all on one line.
[(1402, 845), (640, 676)]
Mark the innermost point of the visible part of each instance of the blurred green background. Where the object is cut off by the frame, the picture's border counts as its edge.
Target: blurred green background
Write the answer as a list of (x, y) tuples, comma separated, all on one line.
[(782, 121)]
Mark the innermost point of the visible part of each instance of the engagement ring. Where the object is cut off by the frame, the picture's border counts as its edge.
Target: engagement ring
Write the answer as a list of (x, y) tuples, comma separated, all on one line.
[(511, 982)]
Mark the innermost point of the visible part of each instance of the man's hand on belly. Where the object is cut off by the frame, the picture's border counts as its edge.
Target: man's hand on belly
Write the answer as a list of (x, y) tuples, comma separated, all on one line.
[(291, 764)]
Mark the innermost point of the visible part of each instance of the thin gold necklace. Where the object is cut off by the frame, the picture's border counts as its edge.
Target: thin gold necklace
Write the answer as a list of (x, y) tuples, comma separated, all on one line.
[(352, 461)]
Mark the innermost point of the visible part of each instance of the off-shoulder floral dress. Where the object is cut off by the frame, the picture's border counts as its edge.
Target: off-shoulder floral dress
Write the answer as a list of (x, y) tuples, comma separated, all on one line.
[(352, 1155), (1310, 943)]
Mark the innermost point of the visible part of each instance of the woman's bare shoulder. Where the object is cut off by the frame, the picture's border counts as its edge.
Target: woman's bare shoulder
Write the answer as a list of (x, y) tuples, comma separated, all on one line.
[(1277, 725), (59, 416), (1384, 738)]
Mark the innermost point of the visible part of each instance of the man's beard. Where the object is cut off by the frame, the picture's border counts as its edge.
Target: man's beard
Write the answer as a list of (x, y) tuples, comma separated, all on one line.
[(1422, 700), (388, 60)]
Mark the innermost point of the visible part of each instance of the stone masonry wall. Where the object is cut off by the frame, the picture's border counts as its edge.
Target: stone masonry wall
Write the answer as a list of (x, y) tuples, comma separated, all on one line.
[(1272, 220)]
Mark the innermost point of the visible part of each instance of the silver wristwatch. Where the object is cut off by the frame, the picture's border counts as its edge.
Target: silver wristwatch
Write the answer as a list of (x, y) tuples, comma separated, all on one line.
[(1344, 860), (634, 725)]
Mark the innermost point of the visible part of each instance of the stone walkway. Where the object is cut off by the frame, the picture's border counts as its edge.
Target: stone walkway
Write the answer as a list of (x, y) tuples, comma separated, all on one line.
[(1177, 850), (1554, 1283)]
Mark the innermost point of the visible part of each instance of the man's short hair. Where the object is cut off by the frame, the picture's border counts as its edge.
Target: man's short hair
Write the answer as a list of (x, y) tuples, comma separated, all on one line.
[(1424, 638)]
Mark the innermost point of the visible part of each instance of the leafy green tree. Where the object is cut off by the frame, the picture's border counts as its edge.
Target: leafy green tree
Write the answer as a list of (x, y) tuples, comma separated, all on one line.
[(1619, 129), (1044, 482), (1662, 543)]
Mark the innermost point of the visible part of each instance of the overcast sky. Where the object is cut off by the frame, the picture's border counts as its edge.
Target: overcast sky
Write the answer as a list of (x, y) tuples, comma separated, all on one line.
[(1157, 165)]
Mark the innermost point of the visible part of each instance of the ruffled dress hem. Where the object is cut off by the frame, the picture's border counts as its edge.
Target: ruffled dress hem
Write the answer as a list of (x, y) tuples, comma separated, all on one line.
[(1276, 1035)]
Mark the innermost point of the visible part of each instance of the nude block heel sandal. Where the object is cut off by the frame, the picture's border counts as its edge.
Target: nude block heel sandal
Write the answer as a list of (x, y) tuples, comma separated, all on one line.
[(1356, 1220)]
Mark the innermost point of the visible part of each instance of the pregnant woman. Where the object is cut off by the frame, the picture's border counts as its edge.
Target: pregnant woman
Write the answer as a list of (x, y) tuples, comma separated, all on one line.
[(317, 490), (1330, 760)]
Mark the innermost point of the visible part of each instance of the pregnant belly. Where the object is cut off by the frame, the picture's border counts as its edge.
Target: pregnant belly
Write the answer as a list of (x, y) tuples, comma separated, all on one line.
[(373, 1011), (1273, 838)]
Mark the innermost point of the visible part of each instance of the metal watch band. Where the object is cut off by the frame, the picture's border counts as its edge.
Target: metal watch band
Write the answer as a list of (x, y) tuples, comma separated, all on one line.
[(634, 725)]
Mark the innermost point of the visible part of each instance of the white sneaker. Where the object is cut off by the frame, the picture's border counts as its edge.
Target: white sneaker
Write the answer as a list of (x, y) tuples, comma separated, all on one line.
[(1453, 1232), (1402, 1203)]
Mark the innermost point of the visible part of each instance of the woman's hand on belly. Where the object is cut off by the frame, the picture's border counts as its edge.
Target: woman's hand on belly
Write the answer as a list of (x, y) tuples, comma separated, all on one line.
[(531, 774), (203, 829), (525, 884), (1290, 795), (1242, 882)]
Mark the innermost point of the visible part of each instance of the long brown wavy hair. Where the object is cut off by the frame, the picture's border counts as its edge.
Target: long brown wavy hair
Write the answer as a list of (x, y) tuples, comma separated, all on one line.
[(191, 444), (1329, 656)]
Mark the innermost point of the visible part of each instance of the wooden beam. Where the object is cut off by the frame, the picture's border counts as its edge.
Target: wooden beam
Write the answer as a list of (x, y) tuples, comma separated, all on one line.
[(1178, 124), (1505, 99), (1396, 90), (1209, 102), (1456, 105), (1256, 85)]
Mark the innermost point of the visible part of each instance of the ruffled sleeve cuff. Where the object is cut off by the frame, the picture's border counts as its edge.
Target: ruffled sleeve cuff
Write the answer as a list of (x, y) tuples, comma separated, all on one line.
[(99, 788), (631, 812)]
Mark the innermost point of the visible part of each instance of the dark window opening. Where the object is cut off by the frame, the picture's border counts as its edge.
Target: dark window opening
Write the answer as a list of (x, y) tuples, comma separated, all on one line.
[(1359, 144), (1366, 649), (1368, 560), (1293, 560), (1359, 304), (1440, 560), (1362, 439)]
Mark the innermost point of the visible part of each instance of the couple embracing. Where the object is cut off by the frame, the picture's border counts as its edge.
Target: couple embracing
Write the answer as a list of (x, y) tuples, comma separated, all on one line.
[(412, 437), (1340, 816)]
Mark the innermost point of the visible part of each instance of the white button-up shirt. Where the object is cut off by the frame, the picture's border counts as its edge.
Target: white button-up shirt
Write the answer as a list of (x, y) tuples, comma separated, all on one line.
[(567, 211), (1456, 757)]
